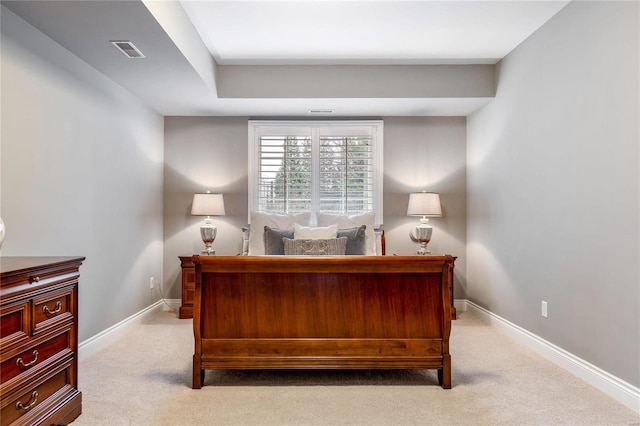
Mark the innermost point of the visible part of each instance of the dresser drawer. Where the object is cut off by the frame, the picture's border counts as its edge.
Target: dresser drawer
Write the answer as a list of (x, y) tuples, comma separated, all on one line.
[(14, 323), (52, 309), (21, 363), (24, 405)]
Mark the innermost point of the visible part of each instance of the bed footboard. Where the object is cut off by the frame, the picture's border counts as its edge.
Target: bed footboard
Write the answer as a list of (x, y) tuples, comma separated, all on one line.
[(346, 312)]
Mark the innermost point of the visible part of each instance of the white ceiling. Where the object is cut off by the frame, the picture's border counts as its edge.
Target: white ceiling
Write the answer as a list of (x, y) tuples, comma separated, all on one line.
[(178, 77), (365, 32)]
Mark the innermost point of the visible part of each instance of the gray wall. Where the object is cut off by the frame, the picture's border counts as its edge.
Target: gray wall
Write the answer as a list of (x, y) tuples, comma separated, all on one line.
[(210, 153), (202, 154), (553, 187), (427, 153), (81, 174)]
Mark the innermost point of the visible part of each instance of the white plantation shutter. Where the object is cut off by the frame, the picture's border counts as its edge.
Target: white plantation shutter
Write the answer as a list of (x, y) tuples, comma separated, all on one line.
[(318, 166), (284, 176), (346, 174)]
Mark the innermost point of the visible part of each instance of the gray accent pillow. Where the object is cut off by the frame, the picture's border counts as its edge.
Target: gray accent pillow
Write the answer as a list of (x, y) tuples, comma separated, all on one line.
[(356, 240), (273, 243), (323, 247)]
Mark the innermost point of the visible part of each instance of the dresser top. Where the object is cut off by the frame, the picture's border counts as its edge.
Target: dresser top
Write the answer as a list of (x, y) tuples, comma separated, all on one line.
[(11, 265)]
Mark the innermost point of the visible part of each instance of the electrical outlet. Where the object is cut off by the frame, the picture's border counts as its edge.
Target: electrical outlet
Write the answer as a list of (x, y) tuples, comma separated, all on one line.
[(151, 283), (544, 309)]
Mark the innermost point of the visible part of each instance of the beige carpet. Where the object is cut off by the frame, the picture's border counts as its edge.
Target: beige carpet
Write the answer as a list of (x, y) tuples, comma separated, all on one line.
[(145, 379)]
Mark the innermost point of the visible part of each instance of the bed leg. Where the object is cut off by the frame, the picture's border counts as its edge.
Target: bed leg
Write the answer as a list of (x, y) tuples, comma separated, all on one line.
[(444, 373), (198, 374)]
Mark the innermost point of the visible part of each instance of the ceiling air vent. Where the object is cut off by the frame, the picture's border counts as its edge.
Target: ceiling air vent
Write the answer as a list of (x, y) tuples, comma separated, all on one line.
[(320, 111), (128, 49)]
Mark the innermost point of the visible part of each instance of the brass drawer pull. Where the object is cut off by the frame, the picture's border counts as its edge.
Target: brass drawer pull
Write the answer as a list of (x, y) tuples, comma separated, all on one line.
[(46, 310), (21, 363), (29, 406), (35, 279)]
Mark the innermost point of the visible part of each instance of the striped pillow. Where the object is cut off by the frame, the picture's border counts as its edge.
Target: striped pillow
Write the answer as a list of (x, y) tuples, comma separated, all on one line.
[(321, 247)]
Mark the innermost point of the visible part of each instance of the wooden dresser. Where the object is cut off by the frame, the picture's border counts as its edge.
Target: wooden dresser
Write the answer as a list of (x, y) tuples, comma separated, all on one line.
[(39, 340), (188, 287)]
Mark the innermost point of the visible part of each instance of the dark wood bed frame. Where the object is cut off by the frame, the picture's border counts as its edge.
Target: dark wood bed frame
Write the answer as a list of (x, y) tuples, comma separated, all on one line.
[(307, 312)]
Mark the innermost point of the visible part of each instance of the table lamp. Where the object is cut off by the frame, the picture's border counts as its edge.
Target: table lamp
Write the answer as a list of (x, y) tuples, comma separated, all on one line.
[(208, 205), (425, 204)]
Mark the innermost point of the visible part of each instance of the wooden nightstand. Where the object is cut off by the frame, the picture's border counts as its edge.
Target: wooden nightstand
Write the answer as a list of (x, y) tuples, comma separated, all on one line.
[(188, 287)]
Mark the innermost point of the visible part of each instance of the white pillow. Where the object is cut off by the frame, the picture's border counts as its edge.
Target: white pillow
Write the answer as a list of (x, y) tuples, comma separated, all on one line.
[(281, 221), (320, 233), (343, 221)]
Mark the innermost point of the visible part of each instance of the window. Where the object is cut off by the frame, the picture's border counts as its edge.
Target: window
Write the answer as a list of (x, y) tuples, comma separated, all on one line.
[(317, 166)]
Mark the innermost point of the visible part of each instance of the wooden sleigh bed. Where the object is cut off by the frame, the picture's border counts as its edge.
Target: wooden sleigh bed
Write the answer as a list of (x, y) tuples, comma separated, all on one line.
[(308, 312)]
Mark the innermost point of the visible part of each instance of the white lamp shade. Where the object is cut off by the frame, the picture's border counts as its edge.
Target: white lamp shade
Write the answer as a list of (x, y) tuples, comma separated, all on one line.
[(207, 205), (424, 204)]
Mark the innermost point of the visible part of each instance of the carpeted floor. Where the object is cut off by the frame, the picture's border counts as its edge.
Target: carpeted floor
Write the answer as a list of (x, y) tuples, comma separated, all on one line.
[(145, 379)]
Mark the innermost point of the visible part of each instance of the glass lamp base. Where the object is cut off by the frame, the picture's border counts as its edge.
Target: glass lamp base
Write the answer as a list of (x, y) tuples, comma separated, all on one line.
[(208, 234), (423, 236)]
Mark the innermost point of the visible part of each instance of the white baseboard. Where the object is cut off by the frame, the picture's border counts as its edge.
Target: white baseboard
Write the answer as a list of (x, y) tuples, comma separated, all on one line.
[(460, 304), (106, 337), (620, 390)]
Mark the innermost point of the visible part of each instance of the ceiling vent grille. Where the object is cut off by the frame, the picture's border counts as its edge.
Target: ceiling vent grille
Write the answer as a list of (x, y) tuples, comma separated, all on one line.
[(128, 49), (321, 111)]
